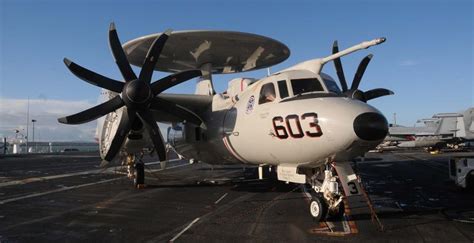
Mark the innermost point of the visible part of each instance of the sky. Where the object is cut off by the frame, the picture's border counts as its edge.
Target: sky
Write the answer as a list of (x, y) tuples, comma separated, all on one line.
[(427, 59)]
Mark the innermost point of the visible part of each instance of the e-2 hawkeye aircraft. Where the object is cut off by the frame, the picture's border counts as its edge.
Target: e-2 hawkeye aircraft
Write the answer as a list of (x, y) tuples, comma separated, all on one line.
[(297, 120)]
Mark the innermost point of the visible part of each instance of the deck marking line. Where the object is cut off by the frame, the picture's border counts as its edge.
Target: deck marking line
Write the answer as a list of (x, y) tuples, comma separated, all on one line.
[(155, 170), (184, 230), (218, 200), (44, 178), (57, 190), (218, 210), (71, 187)]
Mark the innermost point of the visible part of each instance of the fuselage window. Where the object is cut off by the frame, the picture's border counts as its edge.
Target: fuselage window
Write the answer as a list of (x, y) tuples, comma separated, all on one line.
[(332, 86), (283, 89), (305, 85), (267, 93)]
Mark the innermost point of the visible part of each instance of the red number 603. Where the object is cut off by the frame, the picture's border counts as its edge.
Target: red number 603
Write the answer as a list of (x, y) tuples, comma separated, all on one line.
[(283, 129)]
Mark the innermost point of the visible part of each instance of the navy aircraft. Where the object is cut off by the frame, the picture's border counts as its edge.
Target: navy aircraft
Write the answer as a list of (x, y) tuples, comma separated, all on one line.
[(297, 119), (451, 130)]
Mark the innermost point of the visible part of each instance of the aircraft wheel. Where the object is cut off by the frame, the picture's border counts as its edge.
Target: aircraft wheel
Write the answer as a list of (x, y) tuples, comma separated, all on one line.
[(140, 178), (470, 180), (318, 208)]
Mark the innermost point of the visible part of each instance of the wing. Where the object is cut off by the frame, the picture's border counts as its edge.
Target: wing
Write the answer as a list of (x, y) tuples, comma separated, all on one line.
[(180, 107)]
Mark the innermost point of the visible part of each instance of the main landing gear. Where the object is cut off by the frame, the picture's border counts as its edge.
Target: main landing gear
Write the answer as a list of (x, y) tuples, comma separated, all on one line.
[(135, 170), (139, 180)]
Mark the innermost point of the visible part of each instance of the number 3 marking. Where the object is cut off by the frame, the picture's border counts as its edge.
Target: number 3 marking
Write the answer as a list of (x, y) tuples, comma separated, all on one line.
[(352, 188)]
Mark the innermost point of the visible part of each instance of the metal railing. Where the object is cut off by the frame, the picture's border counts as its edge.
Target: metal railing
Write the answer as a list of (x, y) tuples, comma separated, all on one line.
[(47, 147)]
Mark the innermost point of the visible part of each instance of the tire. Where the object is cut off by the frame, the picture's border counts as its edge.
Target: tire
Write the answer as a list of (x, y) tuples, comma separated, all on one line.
[(470, 180), (140, 178), (318, 209)]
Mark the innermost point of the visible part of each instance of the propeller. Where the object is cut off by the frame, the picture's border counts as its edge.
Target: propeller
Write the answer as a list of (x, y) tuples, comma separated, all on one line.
[(137, 95), (354, 92)]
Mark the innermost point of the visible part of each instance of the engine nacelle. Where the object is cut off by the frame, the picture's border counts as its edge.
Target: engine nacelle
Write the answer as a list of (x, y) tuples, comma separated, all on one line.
[(185, 134), (176, 134), (137, 141), (106, 127), (190, 141)]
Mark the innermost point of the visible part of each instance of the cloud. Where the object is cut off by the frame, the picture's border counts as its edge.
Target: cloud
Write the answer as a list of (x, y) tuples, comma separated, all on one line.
[(409, 63), (13, 115)]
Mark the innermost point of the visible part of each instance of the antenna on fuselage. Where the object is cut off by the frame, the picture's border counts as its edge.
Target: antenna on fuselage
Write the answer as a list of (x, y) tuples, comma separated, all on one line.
[(268, 72), (316, 65)]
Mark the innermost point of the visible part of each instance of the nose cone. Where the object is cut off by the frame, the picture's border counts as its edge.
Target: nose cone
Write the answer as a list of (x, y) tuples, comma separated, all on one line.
[(371, 126)]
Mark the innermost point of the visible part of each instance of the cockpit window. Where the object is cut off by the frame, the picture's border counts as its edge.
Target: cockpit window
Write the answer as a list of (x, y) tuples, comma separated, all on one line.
[(267, 93), (332, 86), (283, 89), (305, 85)]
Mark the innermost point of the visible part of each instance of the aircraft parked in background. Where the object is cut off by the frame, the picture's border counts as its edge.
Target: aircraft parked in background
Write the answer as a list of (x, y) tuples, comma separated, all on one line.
[(451, 130)]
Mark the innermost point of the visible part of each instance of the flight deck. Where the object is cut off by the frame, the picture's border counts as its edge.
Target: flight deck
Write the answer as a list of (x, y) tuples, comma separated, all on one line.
[(68, 197)]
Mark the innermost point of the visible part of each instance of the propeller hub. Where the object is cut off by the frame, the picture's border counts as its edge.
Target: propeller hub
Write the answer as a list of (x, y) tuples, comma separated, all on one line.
[(137, 91)]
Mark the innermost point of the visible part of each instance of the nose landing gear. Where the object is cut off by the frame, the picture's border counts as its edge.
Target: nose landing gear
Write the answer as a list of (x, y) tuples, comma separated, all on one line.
[(326, 197), (318, 208)]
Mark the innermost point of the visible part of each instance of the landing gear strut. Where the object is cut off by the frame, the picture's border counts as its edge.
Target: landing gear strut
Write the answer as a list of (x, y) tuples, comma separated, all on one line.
[(135, 170), (326, 198), (139, 180)]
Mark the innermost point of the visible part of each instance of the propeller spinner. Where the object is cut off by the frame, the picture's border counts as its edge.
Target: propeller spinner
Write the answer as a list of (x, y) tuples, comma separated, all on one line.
[(354, 92), (138, 95)]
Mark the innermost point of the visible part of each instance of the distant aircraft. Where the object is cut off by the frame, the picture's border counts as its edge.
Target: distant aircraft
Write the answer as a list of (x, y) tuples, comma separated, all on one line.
[(451, 130), (297, 119)]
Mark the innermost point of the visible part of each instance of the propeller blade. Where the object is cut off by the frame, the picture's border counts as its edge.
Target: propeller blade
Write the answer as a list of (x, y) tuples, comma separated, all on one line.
[(94, 78), (154, 132), (360, 71), (375, 93), (356, 94), (173, 79), (94, 112), (338, 66), (122, 131), (119, 55), (103, 164), (152, 56), (176, 110)]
